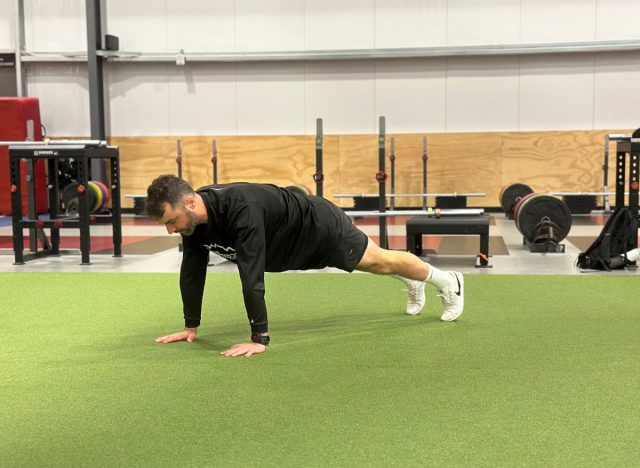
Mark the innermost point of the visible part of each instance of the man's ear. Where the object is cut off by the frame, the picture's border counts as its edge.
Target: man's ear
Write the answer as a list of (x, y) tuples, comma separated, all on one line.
[(190, 202)]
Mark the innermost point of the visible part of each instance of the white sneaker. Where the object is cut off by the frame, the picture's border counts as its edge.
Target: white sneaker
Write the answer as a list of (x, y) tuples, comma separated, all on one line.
[(453, 297), (416, 299)]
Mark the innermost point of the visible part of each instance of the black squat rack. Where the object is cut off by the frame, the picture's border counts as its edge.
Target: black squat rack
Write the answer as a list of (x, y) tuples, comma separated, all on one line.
[(83, 152)]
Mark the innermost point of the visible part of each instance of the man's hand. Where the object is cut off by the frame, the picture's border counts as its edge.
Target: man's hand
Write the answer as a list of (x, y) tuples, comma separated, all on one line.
[(244, 349), (188, 334)]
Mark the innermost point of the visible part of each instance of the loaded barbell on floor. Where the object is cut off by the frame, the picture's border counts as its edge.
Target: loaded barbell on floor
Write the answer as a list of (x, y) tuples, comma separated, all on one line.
[(510, 195), (543, 220), (579, 202)]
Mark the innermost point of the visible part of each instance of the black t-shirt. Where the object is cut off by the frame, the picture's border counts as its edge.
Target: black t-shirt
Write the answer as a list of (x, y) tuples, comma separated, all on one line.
[(261, 228)]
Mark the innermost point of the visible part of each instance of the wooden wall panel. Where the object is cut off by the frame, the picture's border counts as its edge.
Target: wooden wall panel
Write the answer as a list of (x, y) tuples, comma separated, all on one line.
[(466, 162), (458, 162), (357, 167), (559, 161), (141, 160)]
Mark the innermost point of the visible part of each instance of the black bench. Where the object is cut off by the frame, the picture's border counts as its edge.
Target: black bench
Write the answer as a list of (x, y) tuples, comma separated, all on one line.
[(139, 203), (462, 225)]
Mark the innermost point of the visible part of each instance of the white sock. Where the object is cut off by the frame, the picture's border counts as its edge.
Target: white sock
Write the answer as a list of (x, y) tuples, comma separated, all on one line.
[(440, 279), (633, 255)]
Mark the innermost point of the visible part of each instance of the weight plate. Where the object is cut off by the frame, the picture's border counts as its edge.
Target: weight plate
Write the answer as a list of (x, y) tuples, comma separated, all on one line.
[(518, 205), (71, 200), (538, 209), (511, 194), (97, 196), (105, 194)]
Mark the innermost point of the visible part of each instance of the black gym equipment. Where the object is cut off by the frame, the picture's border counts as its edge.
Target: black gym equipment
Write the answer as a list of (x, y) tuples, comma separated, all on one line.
[(179, 162), (214, 160), (581, 204), (425, 158), (179, 157), (70, 197), (318, 177), (392, 158), (627, 147), (544, 221), (510, 195), (461, 225), (605, 165), (67, 172), (451, 202), (381, 178), (83, 152)]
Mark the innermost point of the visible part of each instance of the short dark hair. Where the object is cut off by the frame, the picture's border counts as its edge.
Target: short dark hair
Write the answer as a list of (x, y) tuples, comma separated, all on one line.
[(166, 189)]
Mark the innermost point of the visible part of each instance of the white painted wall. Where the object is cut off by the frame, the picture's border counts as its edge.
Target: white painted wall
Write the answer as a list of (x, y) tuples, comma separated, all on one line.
[(616, 91), (558, 21), (271, 25), (410, 23), (202, 97), (617, 19), (63, 90), (7, 25), (55, 25), (557, 92), (212, 27), (269, 98), (482, 94), (412, 94), (485, 22), (509, 93)]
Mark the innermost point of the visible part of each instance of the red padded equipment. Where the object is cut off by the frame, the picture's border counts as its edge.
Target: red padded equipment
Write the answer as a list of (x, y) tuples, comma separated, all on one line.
[(14, 114)]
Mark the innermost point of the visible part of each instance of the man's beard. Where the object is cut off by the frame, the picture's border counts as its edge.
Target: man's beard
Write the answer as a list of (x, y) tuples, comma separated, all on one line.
[(191, 225)]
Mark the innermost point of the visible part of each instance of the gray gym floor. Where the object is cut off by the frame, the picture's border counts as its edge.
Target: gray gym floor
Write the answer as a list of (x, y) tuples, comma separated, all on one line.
[(148, 248)]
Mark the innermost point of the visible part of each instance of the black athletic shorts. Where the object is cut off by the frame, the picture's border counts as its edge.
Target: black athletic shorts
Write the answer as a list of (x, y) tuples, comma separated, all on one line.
[(345, 242)]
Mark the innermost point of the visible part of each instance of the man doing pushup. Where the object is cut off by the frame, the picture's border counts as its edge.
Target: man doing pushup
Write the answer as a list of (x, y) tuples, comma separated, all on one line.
[(264, 228)]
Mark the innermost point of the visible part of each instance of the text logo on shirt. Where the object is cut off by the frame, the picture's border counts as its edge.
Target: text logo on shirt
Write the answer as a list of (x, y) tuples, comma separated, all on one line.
[(225, 252)]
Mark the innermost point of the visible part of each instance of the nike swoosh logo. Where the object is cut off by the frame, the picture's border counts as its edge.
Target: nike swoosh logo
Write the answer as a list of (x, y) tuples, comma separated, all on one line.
[(458, 291)]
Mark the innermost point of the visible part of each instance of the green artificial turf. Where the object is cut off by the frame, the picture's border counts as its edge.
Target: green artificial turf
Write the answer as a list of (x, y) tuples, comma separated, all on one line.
[(539, 371)]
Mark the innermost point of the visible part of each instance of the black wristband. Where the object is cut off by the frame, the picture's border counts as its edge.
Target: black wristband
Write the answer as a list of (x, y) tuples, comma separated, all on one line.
[(261, 339)]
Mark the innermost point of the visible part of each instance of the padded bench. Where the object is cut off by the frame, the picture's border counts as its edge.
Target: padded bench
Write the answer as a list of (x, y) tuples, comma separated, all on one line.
[(462, 225)]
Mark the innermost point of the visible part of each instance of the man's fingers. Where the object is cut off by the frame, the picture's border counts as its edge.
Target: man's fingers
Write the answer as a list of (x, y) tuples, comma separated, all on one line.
[(235, 350), (244, 349), (175, 337)]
